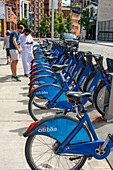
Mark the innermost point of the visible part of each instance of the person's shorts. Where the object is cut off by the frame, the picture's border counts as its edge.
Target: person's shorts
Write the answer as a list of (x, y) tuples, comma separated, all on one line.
[(8, 52), (14, 54)]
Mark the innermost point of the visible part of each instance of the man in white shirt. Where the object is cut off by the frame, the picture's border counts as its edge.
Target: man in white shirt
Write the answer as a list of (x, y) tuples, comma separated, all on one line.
[(26, 42)]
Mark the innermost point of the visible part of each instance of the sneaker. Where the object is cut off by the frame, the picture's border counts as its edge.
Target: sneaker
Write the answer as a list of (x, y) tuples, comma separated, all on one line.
[(15, 78), (26, 75)]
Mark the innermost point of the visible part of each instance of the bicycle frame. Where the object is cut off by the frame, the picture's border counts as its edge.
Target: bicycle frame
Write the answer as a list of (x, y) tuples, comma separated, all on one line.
[(74, 141)]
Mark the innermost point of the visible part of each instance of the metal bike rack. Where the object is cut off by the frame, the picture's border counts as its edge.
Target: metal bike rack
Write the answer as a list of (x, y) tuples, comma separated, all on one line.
[(109, 110)]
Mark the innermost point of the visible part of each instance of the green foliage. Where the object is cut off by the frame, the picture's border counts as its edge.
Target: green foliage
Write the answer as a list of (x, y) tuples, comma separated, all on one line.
[(23, 22), (69, 22), (31, 23), (61, 23), (44, 25), (56, 22), (85, 19)]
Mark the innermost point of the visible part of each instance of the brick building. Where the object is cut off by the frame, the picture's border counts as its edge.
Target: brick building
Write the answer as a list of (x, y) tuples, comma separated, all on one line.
[(75, 17), (14, 10), (10, 21), (48, 11), (37, 9)]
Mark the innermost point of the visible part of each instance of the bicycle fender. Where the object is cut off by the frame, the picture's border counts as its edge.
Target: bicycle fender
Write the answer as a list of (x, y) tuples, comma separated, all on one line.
[(47, 91), (42, 73), (39, 66), (39, 69), (44, 79), (39, 60), (58, 127)]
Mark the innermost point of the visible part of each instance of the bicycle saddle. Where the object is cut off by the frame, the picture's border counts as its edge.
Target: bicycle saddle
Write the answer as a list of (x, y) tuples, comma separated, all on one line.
[(51, 58), (77, 96), (56, 67), (48, 53), (97, 57)]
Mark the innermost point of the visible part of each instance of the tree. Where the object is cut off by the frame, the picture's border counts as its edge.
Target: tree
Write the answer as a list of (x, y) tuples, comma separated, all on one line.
[(56, 22), (85, 19), (23, 22), (69, 22), (44, 25), (61, 23)]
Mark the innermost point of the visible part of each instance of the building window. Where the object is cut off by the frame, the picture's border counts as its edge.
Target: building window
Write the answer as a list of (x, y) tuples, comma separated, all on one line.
[(7, 25), (41, 10), (32, 9), (18, 6), (37, 10), (32, 2), (36, 22), (37, 28), (36, 16), (36, 3), (11, 4), (25, 10), (41, 4), (76, 27)]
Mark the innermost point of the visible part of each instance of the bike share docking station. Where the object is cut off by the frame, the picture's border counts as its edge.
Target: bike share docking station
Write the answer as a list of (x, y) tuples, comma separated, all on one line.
[(108, 98)]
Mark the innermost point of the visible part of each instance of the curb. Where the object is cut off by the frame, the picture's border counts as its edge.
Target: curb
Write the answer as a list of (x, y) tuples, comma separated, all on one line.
[(96, 43)]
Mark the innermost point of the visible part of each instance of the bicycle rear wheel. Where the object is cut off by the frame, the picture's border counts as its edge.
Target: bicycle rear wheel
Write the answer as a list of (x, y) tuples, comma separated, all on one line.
[(40, 155)]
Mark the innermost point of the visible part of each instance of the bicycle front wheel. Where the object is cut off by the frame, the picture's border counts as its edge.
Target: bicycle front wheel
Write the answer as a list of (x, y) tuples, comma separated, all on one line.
[(37, 108), (40, 156), (101, 102)]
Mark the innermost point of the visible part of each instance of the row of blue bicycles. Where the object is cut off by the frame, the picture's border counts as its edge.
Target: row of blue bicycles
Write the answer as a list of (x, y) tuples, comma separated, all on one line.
[(62, 81)]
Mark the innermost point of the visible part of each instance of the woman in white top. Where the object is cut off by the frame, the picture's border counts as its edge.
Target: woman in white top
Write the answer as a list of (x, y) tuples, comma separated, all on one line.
[(6, 44), (26, 42)]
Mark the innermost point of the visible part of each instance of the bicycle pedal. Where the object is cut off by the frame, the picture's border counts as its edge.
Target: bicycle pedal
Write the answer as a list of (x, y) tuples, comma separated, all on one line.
[(59, 112), (110, 137), (89, 158)]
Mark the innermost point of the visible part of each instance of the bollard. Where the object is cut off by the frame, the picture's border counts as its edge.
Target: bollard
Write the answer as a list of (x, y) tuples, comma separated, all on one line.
[(109, 110)]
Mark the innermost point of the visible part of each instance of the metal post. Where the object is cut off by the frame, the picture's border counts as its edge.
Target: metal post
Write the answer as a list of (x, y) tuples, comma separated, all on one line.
[(97, 22), (52, 29)]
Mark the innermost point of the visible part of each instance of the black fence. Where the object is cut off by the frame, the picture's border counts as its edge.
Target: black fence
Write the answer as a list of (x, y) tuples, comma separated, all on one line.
[(106, 30)]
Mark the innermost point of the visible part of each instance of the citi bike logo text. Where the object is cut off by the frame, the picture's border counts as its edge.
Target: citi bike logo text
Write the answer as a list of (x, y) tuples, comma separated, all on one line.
[(42, 92), (92, 89), (75, 74), (82, 80), (46, 129)]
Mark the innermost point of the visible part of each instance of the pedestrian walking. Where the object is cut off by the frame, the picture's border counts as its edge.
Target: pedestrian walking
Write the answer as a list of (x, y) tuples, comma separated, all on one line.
[(6, 45), (15, 51), (26, 42)]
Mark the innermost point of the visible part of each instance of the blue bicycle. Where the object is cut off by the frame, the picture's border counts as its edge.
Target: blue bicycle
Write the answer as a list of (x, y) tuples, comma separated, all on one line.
[(61, 142)]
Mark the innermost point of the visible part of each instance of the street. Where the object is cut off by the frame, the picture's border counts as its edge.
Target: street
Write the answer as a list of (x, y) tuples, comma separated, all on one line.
[(14, 117), (105, 51)]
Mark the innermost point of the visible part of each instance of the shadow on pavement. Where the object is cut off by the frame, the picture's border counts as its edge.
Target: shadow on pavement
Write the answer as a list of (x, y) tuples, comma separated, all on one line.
[(25, 102), (25, 88), (4, 79), (22, 112), (20, 131), (24, 94), (3, 64)]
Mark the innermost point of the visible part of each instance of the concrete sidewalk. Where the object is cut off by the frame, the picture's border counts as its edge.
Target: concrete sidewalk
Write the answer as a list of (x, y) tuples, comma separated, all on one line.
[(104, 43), (14, 120)]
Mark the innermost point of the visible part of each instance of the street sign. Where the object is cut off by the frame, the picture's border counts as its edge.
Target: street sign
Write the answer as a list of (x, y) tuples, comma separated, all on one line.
[(2, 9), (55, 4)]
